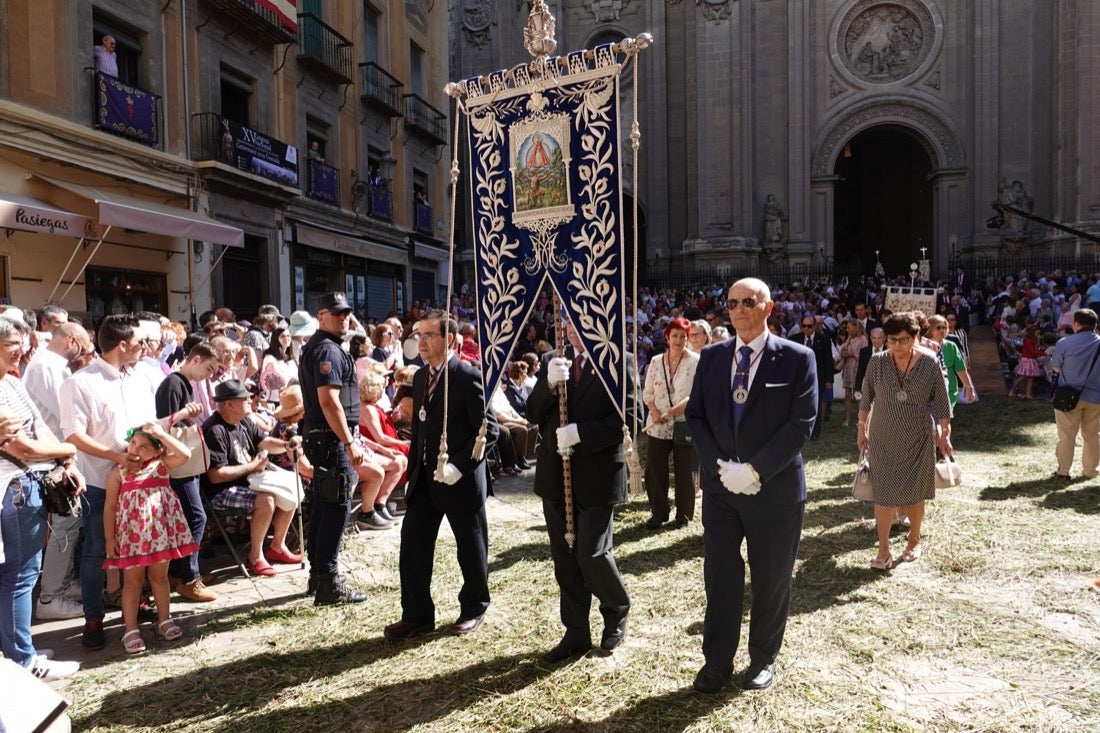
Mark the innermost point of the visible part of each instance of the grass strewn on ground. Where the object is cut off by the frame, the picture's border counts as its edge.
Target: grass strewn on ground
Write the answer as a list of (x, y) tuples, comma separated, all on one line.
[(996, 628)]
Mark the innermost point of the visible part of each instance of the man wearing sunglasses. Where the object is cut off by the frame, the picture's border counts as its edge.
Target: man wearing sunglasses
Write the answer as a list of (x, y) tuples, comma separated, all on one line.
[(813, 337), (751, 410)]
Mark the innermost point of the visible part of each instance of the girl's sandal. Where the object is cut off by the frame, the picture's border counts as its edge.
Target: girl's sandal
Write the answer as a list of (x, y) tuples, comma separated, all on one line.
[(167, 630), (132, 642)]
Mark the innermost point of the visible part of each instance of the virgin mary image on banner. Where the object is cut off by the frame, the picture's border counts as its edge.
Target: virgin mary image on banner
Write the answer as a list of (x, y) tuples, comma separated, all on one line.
[(540, 174)]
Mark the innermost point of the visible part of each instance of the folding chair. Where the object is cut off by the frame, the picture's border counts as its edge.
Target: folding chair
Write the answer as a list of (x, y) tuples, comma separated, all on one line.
[(217, 516)]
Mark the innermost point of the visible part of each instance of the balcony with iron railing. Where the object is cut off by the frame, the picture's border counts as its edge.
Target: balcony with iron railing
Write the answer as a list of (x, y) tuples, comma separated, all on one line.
[(321, 48), (324, 182), (426, 119), (258, 20), (423, 214), (244, 149), (127, 110), (380, 89)]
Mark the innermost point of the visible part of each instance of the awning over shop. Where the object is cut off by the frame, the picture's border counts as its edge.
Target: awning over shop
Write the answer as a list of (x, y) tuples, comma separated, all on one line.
[(428, 252), (336, 242), (120, 210), (31, 215)]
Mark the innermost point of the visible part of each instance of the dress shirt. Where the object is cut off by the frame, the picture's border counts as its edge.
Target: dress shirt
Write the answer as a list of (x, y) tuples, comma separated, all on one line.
[(43, 378), (103, 403), (105, 61), (1072, 356), (756, 345)]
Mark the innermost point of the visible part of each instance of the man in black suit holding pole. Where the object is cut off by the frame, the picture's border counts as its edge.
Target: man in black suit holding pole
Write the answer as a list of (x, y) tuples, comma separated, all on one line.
[(457, 490), (593, 431)]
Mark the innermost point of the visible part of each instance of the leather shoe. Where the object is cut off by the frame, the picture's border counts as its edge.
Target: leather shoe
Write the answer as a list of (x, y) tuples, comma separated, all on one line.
[(467, 625), (654, 522), (407, 629), (564, 650), (759, 678), (711, 678), (613, 636)]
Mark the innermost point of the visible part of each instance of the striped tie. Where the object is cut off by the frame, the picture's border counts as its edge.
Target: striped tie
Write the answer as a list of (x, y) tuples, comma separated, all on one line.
[(741, 379)]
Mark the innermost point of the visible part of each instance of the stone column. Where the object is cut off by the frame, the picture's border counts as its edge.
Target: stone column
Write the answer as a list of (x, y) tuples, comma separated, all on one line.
[(949, 221), (822, 225), (986, 165)]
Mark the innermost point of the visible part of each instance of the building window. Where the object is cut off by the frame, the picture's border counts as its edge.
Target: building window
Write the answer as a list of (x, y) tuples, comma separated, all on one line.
[(317, 133), (121, 50), (416, 69), (371, 21), (110, 291), (236, 97)]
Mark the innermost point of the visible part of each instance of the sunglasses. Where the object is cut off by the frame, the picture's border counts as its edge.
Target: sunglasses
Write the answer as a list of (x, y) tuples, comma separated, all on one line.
[(18, 498), (807, 325), (746, 303)]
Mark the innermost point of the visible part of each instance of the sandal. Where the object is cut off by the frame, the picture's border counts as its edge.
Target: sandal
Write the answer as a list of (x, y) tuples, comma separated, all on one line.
[(167, 630), (911, 554), (132, 642), (886, 564)]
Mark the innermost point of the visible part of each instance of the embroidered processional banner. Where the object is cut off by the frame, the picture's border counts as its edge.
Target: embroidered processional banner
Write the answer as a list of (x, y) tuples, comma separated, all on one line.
[(546, 205), (900, 299)]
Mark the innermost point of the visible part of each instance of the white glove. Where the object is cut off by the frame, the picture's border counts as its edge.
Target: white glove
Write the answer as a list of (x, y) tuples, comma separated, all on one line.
[(568, 436), (738, 479), (557, 371), (451, 474)]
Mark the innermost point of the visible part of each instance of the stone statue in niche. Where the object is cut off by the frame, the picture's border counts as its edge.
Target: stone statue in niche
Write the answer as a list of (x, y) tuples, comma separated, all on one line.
[(775, 231), (1015, 228)]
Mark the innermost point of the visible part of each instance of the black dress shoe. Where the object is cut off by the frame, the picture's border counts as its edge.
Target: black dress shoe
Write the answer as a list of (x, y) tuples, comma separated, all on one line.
[(655, 522), (564, 650), (682, 522), (612, 637), (407, 630), (759, 678), (711, 678), (467, 625)]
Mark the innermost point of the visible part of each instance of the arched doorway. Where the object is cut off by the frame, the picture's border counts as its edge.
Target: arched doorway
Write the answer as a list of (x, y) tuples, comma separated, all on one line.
[(883, 199)]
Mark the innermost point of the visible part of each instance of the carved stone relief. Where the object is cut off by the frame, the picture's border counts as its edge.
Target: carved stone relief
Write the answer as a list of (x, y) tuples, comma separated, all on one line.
[(605, 11), (879, 42), (715, 11), (477, 21)]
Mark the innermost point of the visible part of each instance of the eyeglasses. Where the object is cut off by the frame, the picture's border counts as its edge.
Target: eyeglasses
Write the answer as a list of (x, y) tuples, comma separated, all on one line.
[(807, 325), (429, 334), (746, 303), (898, 340)]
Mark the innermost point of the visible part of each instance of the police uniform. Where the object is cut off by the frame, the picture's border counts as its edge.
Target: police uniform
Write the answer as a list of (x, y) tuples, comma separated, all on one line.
[(325, 364)]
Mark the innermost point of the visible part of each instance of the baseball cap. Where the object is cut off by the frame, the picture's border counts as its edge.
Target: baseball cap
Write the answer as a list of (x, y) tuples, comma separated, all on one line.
[(334, 303)]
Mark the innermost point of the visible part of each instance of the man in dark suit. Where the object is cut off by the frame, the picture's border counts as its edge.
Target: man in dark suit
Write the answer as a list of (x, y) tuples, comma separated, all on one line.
[(751, 410), (457, 490), (878, 343), (593, 432), (863, 315), (813, 337)]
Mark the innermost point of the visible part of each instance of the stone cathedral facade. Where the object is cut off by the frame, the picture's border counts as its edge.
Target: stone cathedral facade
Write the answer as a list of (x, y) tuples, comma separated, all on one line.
[(804, 131)]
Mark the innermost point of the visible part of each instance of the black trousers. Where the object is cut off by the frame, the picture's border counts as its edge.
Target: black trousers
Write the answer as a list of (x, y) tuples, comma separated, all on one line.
[(685, 465), (419, 531), (587, 570), (327, 519), (772, 533)]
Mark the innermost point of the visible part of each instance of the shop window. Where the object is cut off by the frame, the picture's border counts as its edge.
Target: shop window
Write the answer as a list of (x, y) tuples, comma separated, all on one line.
[(110, 291), (242, 277), (236, 97)]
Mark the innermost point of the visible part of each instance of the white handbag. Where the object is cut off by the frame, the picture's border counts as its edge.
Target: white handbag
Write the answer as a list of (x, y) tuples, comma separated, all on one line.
[(280, 483), (861, 484), (948, 473), (196, 465)]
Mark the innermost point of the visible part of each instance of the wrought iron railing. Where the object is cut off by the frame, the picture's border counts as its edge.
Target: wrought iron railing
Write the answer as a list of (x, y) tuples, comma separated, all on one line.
[(321, 47), (258, 19), (228, 142), (679, 275), (324, 182), (423, 214), (980, 265), (127, 110), (381, 89), (419, 115)]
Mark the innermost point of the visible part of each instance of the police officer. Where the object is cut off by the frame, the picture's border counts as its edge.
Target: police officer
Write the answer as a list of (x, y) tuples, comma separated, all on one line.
[(331, 396)]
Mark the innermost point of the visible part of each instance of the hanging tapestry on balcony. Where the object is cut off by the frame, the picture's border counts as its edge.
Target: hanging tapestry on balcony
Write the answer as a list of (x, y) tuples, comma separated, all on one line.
[(127, 110), (546, 205)]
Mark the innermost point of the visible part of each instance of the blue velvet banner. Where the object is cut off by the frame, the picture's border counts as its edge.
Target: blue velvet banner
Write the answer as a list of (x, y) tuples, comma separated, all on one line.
[(127, 110), (324, 182), (546, 205)]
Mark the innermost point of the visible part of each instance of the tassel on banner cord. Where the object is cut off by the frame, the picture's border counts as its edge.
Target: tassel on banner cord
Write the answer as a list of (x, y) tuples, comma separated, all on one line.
[(478, 451), (633, 464), (444, 458)]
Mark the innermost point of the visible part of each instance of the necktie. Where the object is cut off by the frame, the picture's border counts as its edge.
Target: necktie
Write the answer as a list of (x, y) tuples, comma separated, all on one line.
[(433, 377), (741, 381), (578, 367)]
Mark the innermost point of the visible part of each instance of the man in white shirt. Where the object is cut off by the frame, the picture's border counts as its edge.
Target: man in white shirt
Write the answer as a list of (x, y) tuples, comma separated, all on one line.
[(106, 61), (47, 370), (98, 405)]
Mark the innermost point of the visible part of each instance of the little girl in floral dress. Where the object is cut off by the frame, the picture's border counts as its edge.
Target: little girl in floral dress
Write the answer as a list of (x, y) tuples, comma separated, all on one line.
[(145, 527)]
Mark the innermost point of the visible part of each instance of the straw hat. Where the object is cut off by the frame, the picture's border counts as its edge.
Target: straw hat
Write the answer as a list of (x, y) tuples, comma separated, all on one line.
[(290, 402)]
